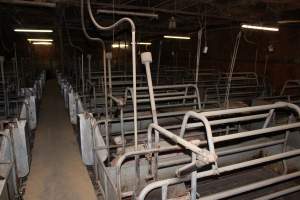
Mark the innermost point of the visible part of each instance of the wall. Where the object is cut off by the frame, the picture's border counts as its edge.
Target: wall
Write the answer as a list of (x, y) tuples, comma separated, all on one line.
[(283, 63)]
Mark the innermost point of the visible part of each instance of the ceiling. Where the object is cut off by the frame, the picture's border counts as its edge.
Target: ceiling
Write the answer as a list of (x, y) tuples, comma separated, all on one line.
[(189, 14)]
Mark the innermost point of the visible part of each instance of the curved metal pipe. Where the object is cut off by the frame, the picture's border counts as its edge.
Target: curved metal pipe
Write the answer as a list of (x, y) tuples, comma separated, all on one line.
[(130, 21), (206, 124), (99, 40)]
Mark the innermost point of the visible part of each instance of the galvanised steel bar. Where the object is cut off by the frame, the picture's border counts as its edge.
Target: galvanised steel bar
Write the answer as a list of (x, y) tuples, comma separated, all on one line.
[(168, 98), (220, 170), (251, 187), (270, 130), (224, 121), (232, 65), (167, 86), (285, 144), (207, 126), (91, 84), (280, 193), (194, 179), (158, 62), (253, 109), (200, 32), (163, 96), (146, 59), (223, 152), (109, 57), (288, 86), (82, 74), (127, 155), (3, 85), (268, 119), (202, 154)]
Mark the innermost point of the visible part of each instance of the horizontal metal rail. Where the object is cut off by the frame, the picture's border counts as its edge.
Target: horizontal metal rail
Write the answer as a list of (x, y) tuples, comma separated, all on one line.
[(250, 187), (218, 171), (280, 193)]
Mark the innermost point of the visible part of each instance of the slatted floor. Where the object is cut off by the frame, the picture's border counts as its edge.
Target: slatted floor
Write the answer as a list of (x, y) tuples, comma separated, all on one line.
[(57, 172)]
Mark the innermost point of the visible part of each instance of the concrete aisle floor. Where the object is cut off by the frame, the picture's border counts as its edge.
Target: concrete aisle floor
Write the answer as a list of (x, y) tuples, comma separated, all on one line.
[(57, 172)]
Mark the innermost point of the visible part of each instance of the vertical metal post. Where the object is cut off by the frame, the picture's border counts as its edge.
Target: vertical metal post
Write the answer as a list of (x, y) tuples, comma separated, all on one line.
[(284, 148), (107, 135), (76, 70), (16, 66), (105, 186), (194, 180), (137, 171), (22, 70), (231, 68), (266, 64), (82, 76), (125, 58), (158, 61), (109, 57), (3, 84), (134, 88), (122, 128), (265, 71), (255, 61), (164, 192), (200, 32), (95, 99), (89, 56)]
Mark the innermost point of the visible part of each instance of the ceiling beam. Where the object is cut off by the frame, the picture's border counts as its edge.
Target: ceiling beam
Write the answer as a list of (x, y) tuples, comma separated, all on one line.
[(29, 3), (161, 10)]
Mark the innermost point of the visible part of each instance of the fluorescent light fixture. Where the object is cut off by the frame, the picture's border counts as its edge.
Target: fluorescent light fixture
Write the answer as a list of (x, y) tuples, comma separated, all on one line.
[(263, 28), (119, 45), (290, 21), (33, 30), (177, 37), (123, 46), (144, 43), (39, 40), (42, 43)]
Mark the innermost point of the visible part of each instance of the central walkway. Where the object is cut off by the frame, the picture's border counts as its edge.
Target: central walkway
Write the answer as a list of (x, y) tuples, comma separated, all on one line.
[(57, 172)]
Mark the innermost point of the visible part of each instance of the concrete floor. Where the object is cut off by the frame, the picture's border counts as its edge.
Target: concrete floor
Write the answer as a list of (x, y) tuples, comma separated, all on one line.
[(57, 172)]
